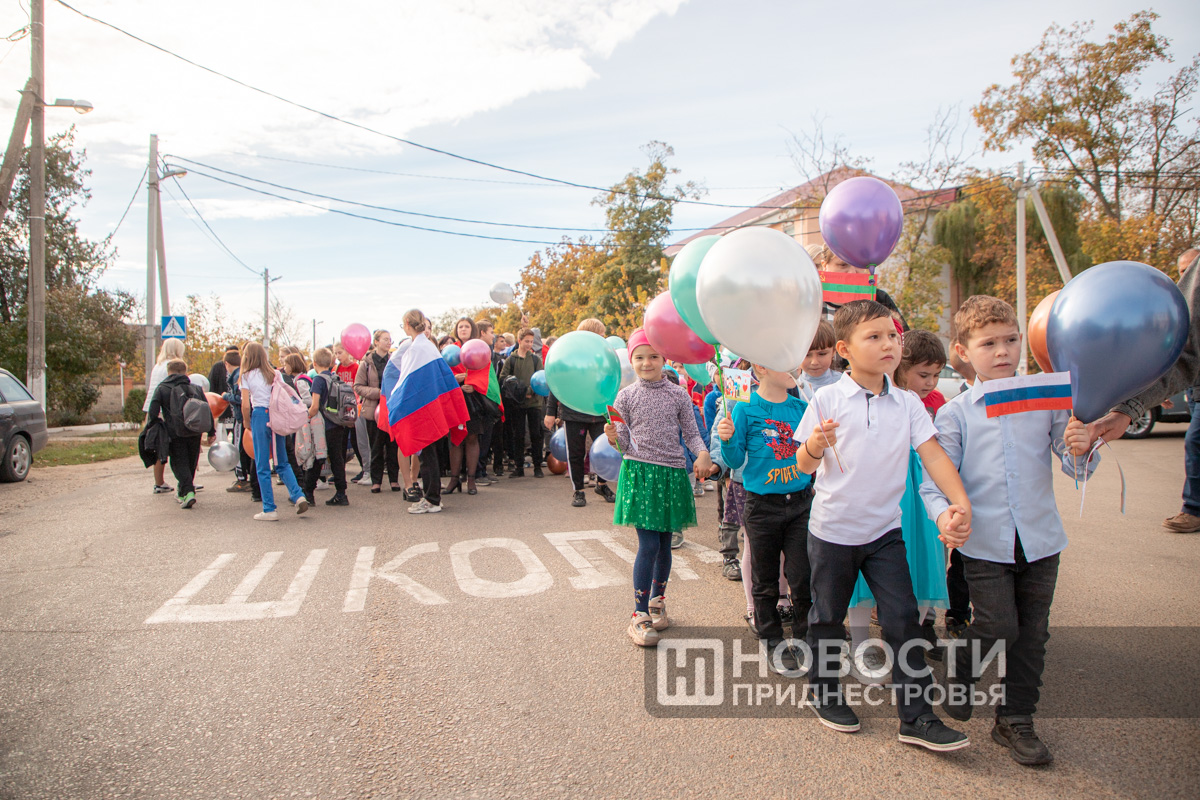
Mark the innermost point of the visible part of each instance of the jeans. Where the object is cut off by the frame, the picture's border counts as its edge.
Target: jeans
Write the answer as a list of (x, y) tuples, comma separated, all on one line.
[(731, 510), (184, 454), (1191, 465), (264, 438), (778, 523), (335, 440), (884, 565), (577, 433), (1012, 604), (382, 449), (530, 418)]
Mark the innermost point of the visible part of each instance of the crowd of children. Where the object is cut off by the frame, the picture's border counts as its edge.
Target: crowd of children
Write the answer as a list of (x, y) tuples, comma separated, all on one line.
[(864, 495)]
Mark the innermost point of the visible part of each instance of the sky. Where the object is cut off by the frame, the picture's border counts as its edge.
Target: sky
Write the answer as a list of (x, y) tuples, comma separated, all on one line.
[(570, 89)]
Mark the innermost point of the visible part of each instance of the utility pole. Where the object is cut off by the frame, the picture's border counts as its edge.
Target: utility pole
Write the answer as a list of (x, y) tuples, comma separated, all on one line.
[(1059, 259), (1022, 305), (151, 252), (161, 250), (35, 354), (266, 308), (16, 143)]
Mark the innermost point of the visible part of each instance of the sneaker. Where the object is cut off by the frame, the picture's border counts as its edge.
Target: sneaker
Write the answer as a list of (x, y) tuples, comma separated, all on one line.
[(537, 472), (364, 480), (931, 733), (709, 486), (163, 489), (358, 477), (833, 712), (606, 492), (322, 485), (188, 500), (338, 499), (267, 516), (956, 629), (579, 500), (787, 614), (256, 498), (311, 500), (749, 618), (677, 540), (698, 490), (302, 505), (517, 473), (958, 699), (196, 487), (658, 613), (1182, 523), (732, 569), (641, 630), (783, 660), (1017, 734), (240, 486), (423, 506)]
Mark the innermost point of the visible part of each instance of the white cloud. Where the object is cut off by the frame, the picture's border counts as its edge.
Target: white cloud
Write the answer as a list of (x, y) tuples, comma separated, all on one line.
[(255, 209), (395, 66)]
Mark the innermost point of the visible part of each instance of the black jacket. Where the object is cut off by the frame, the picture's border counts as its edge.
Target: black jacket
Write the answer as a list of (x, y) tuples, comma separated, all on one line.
[(162, 400), (560, 410), (153, 443)]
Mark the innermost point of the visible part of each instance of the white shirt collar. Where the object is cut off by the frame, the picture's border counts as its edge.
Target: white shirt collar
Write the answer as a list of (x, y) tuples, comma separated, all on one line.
[(850, 387)]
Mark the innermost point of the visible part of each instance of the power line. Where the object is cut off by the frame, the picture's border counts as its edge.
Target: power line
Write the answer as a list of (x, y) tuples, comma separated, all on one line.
[(401, 140), (141, 181), (221, 242)]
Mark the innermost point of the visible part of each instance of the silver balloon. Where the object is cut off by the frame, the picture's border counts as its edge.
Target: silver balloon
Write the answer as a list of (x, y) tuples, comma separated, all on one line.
[(627, 376), (502, 293), (222, 456), (760, 295), (197, 379)]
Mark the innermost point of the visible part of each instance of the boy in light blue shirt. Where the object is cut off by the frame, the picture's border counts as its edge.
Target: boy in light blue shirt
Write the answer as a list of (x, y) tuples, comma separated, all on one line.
[(1011, 559)]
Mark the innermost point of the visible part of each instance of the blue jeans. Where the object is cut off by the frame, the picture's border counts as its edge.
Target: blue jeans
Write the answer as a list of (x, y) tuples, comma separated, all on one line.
[(261, 435), (1191, 465)]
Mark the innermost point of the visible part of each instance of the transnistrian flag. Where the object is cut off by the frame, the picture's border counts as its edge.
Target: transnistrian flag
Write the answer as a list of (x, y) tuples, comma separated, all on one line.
[(843, 287), (1047, 391)]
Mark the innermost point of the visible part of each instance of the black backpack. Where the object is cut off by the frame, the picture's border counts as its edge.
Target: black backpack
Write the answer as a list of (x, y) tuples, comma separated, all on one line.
[(341, 407), (190, 412)]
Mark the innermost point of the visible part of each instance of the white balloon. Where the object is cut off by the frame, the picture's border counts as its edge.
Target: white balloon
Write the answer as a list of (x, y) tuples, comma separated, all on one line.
[(199, 380), (223, 456), (502, 293), (760, 295), (627, 376)]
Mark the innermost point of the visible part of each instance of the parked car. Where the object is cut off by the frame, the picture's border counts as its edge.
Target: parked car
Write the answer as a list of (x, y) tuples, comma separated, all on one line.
[(22, 428), (950, 382), (1178, 412)]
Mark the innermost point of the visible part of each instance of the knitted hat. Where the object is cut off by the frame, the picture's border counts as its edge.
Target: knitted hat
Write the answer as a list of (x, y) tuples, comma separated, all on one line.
[(637, 339)]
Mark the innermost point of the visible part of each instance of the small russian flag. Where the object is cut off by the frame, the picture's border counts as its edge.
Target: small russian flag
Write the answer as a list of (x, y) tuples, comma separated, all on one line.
[(1047, 391)]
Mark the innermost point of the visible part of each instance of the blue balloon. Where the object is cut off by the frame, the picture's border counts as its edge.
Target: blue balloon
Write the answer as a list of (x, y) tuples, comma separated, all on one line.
[(452, 355), (606, 459), (558, 444), (615, 342), (1117, 328), (537, 382)]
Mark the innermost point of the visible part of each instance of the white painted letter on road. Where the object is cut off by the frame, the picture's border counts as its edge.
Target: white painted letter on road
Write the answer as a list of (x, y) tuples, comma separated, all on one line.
[(536, 579)]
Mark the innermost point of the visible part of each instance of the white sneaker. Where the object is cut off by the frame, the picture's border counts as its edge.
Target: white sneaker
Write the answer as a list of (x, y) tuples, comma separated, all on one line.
[(641, 630), (709, 486), (658, 613), (676, 540), (365, 480), (301, 505), (423, 506), (322, 485), (267, 516)]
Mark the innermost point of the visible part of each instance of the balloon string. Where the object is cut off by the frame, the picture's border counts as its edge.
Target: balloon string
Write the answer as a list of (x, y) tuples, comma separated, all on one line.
[(837, 456), (1087, 463)]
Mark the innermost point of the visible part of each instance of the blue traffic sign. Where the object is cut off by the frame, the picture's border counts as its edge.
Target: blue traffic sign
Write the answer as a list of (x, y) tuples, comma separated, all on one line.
[(174, 327)]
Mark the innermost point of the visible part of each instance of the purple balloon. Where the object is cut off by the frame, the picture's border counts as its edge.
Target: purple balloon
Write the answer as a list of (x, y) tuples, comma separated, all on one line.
[(861, 220), (1117, 328)]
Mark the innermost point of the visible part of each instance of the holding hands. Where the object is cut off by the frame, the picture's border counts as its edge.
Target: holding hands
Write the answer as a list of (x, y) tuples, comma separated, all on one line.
[(704, 467), (955, 526)]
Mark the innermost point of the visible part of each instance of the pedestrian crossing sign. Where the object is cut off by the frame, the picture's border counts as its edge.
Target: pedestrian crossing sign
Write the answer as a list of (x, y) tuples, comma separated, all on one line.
[(174, 327)]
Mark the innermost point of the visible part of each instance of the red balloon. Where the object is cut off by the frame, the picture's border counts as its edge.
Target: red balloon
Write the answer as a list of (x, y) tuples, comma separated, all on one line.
[(671, 336), (475, 354), (1037, 332), (381, 415), (555, 466), (248, 442), (216, 403)]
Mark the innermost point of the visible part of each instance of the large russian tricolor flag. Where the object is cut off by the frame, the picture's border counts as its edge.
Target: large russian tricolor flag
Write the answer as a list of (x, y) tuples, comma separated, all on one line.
[(424, 400), (1047, 391)]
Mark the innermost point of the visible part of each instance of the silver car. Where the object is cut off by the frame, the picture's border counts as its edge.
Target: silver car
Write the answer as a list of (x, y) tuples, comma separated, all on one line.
[(22, 428)]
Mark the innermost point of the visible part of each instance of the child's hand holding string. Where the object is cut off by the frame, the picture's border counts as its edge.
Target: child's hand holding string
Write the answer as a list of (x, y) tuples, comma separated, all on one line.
[(824, 435), (725, 429), (610, 431)]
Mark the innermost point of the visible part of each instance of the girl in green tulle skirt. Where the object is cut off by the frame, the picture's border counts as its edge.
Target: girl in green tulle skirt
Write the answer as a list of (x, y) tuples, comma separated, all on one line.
[(654, 494)]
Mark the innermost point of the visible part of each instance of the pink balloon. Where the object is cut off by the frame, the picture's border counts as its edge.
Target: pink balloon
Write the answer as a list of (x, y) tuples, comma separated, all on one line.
[(476, 354), (671, 336), (356, 339)]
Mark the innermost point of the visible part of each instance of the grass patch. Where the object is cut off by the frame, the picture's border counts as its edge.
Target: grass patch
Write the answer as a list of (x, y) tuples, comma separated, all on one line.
[(131, 433), (62, 454)]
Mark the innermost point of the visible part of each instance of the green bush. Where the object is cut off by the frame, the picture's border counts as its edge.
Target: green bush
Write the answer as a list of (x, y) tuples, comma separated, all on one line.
[(133, 405)]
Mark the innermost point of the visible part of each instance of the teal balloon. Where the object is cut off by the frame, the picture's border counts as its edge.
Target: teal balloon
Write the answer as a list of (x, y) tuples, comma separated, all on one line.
[(698, 373), (584, 372), (681, 282), (616, 343)]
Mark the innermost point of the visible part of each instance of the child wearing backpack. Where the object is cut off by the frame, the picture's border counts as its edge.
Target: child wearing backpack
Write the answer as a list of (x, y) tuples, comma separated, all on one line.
[(255, 381), (335, 433), (180, 401)]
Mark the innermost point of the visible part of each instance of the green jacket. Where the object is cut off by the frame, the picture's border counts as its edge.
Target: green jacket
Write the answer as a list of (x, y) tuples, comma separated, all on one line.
[(522, 369)]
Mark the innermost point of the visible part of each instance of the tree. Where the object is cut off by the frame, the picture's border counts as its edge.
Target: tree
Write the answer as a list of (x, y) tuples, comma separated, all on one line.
[(1134, 155), (85, 328), (210, 330)]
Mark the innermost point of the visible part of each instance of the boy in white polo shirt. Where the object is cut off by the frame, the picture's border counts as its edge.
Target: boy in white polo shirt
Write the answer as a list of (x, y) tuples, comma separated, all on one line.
[(855, 521)]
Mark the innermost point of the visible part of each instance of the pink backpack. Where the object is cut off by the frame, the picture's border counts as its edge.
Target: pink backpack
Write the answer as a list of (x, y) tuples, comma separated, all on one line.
[(287, 411)]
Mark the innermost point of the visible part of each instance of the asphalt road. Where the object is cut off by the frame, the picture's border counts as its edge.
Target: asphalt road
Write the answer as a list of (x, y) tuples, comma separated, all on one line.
[(146, 651)]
